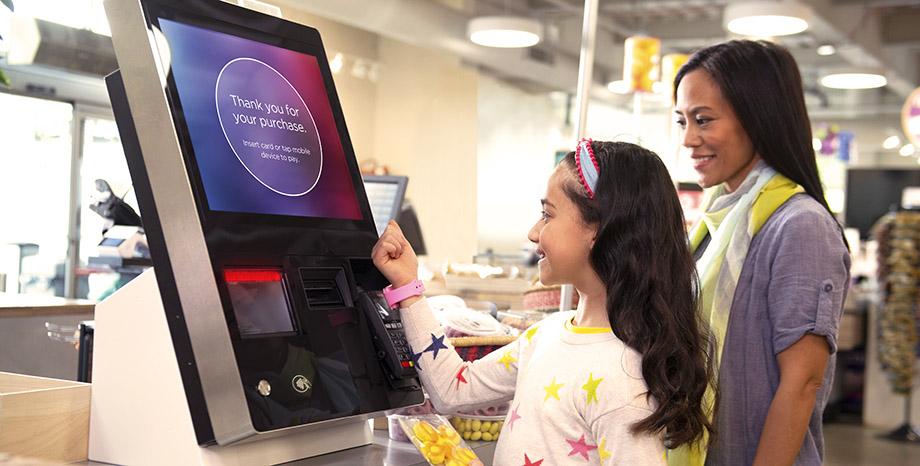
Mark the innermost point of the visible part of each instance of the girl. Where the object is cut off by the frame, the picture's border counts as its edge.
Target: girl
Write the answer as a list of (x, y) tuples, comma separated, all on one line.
[(772, 259), (619, 378)]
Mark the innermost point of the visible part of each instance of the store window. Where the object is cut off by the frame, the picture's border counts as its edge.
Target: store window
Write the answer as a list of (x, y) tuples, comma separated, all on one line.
[(80, 14), (35, 168)]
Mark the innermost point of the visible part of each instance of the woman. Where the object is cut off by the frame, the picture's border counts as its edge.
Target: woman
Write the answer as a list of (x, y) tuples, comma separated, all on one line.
[(772, 260)]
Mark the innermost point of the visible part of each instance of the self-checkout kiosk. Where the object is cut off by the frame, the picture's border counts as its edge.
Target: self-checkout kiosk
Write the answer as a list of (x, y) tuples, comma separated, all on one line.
[(260, 335)]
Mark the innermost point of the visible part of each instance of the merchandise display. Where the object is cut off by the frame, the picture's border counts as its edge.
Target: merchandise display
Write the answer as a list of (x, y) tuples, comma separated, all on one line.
[(898, 236), (543, 298), (469, 323)]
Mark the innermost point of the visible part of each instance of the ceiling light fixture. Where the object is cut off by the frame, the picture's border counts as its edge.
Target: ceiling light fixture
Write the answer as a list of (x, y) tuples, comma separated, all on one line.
[(907, 150), (618, 87), (505, 31), (854, 79), (827, 49), (891, 142), (766, 18)]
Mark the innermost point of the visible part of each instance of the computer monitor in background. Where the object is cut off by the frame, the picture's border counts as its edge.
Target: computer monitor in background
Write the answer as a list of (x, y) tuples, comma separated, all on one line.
[(386, 194), (408, 222), (871, 192)]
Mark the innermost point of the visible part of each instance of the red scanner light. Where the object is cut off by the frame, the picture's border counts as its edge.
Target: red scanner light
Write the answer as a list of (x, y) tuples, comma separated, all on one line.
[(252, 276)]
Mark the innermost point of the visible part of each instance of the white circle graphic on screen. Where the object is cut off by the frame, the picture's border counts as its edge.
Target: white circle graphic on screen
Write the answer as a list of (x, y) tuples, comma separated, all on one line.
[(268, 126)]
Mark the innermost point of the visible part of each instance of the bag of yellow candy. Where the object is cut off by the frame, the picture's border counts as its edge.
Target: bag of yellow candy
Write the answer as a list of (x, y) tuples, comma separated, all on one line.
[(437, 441)]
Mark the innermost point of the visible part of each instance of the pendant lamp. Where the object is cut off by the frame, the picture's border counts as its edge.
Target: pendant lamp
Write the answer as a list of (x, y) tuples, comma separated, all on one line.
[(766, 19), (505, 31)]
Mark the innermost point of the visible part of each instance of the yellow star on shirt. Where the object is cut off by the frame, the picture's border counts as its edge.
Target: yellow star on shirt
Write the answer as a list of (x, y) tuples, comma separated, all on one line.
[(507, 359), (591, 387), (552, 390), (530, 333), (604, 453)]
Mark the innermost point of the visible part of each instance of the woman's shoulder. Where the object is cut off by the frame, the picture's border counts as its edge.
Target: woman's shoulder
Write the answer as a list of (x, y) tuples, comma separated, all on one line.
[(802, 227), (802, 214)]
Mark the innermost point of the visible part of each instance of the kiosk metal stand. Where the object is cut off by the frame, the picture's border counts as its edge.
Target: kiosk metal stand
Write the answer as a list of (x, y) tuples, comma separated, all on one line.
[(139, 414)]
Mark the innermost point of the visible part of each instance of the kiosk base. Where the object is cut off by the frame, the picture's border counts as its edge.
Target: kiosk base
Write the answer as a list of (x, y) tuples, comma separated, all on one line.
[(138, 411)]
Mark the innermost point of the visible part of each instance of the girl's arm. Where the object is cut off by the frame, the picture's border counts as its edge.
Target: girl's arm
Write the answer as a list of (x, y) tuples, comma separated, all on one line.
[(451, 382), (801, 368)]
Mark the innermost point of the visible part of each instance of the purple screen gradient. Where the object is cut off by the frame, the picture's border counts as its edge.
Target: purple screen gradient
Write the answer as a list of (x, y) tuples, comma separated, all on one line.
[(261, 126)]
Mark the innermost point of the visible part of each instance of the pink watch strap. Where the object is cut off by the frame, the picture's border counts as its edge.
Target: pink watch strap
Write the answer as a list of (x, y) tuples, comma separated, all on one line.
[(394, 297)]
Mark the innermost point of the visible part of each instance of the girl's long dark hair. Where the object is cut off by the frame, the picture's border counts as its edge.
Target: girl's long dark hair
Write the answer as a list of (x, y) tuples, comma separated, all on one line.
[(761, 81), (642, 255)]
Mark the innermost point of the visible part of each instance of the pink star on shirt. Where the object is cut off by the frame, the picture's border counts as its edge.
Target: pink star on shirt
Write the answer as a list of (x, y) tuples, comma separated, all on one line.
[(460, 377), (580, 447), (527, 461), (514, 416)]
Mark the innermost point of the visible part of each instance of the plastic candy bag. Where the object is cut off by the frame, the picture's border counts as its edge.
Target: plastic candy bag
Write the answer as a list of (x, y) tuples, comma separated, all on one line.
[(437, 441)]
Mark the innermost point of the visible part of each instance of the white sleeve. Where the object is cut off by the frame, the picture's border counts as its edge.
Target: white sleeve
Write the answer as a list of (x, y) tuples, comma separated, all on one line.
[(452, 383)]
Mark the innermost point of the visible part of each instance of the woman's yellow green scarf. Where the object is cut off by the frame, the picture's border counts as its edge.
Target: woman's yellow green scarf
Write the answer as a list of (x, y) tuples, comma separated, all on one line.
[(731, 220)]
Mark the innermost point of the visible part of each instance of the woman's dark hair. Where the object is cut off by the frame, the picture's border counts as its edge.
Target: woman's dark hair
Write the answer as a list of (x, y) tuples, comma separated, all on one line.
[(761, 81), (642, 255)]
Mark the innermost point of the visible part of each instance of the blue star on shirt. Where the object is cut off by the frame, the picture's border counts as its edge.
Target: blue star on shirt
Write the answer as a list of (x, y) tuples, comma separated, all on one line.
[(415, 360), (436, 345)]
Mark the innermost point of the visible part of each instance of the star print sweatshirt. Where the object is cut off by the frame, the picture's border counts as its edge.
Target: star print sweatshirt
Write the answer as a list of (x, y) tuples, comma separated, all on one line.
[(574, 391)]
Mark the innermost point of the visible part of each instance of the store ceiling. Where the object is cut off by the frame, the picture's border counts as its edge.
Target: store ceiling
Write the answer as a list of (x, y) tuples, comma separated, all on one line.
[(875, 33)]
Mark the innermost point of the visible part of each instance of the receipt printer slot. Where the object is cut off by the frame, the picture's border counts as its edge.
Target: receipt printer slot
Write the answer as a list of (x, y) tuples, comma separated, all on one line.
[(325, 288)]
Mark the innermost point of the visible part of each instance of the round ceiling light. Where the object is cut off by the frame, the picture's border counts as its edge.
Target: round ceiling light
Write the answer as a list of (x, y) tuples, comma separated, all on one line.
[(504, 31), (826, 49), (766, 19), (851, 79), (891, 142)]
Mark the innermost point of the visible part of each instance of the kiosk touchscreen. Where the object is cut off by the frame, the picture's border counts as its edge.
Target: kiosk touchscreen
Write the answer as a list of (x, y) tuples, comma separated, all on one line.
[(258, 224)]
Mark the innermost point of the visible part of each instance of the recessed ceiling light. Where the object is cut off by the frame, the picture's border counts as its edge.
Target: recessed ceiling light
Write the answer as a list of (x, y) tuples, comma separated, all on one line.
[(504, 31), (766, 18), (907, 150)]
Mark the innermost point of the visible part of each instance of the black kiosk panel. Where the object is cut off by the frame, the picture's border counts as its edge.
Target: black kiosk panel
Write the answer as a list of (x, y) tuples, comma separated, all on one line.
[(283, 214)]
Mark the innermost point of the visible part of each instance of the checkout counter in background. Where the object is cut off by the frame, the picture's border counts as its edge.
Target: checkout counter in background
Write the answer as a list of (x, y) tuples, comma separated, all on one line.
[(51, 336), (38, 327), (25, 324), (123, 254)]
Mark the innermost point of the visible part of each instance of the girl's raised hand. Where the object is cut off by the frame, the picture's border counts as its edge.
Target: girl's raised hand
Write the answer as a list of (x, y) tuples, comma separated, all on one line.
[(394, 257)]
